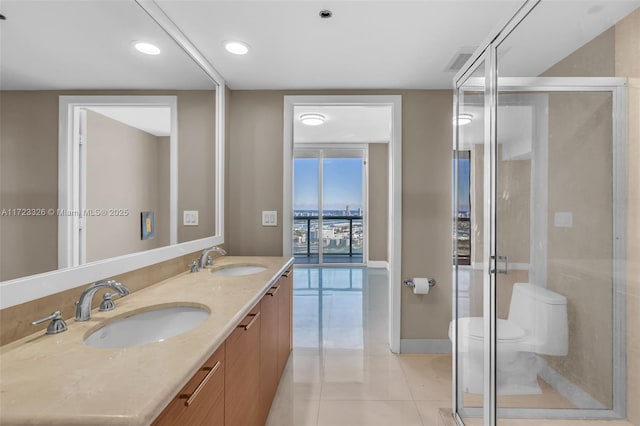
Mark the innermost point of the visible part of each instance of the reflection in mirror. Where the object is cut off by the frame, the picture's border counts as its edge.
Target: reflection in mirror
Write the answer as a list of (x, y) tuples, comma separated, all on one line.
[(61, 206)]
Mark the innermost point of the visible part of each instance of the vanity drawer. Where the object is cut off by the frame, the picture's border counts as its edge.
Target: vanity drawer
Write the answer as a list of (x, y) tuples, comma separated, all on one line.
[(201, 401)]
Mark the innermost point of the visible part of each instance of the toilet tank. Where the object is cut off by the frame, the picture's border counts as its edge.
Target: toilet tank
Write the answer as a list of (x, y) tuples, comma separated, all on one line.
[(542, 313)]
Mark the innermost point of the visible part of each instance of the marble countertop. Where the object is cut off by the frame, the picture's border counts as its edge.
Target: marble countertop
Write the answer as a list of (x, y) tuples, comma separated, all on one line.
[(58, 380)]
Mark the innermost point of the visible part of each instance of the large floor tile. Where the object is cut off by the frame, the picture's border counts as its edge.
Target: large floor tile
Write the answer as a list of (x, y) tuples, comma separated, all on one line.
[(428, 376), (429, 410), (368, 413), (302, 413), (362, 377)]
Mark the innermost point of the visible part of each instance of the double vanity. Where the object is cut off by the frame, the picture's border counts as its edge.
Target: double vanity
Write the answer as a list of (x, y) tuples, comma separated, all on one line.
[(205, 347)]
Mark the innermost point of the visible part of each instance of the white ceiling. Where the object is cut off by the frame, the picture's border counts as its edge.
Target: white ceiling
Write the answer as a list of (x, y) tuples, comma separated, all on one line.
[(153, 120), (392, 44), (378, 44), (53, 45), (353, 124)]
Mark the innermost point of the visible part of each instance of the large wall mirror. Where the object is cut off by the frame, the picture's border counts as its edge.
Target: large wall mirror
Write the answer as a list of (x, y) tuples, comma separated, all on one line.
[(111, 158)]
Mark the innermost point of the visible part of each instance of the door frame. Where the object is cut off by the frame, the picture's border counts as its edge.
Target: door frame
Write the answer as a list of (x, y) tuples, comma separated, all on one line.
[(72, 168), (394, 240)]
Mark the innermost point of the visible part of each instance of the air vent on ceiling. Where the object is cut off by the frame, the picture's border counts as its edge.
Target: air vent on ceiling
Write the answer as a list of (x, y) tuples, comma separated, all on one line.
[(460, 58)]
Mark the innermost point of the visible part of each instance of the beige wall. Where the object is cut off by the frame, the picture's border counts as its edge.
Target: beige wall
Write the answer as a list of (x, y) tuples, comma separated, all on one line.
[(580, 181), (378, 201), (196, 162), (254, 183), (117, 181), (627, 64), (29, 172), (580, 257), (28, 179)]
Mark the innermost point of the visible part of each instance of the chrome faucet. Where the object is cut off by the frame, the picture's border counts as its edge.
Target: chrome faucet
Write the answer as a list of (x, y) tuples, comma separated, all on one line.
[(83, 306), (205, 260)]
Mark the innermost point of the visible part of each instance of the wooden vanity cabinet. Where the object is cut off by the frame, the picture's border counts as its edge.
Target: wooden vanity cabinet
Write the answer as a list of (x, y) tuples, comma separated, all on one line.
[(285, 319), (237, 385), (242, 372), (201, 401), (268, 351), (275, 339)]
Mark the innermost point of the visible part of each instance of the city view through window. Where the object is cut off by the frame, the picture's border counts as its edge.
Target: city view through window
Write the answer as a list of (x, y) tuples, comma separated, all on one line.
[(336, 235), (462, 232)]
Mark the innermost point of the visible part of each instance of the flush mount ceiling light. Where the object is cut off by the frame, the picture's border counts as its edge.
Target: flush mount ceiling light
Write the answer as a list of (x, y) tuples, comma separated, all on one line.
[(146, 48), (236, 47), (312, 119), (463, 119)]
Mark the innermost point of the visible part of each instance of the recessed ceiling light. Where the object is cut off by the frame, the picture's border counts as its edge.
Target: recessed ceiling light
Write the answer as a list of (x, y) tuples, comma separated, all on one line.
[(312, 119), (146, 48), (236, 47), (463, 119)]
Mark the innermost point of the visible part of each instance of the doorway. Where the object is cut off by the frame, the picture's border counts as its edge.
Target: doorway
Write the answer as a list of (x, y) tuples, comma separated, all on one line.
[(391, 105)]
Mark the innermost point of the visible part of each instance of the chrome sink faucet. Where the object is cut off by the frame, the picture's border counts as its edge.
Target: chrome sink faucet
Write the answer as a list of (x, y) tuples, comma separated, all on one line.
[(83, 306), (205, 260)]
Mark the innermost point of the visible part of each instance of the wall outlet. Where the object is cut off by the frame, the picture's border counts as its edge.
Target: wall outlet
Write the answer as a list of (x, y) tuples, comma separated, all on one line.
[(269, 218), (190, 218)]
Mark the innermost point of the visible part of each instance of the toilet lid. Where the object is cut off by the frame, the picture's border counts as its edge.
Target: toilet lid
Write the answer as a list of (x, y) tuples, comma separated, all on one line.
[(507, 330)]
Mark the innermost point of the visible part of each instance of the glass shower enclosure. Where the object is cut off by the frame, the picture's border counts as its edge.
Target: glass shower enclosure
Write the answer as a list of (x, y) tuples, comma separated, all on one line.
[(539, 326)]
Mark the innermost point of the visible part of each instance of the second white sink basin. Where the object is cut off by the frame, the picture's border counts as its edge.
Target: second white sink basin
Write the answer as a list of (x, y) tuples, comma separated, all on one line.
[(154, 325), (238, 270)]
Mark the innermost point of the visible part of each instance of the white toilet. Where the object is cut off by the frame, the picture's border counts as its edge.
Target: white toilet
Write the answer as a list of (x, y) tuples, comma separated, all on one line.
[(537, 324)]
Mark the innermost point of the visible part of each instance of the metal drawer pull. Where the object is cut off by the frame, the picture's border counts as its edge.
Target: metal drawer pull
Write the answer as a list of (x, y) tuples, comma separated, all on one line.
[(275, 290), (248, 326), (286, 274), (194, 395)]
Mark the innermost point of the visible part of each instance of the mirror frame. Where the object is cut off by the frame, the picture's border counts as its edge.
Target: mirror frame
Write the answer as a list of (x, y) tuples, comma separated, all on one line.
[(21, 290)]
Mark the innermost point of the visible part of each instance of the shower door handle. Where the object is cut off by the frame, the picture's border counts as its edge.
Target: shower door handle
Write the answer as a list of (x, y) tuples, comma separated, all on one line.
[(502, 265)]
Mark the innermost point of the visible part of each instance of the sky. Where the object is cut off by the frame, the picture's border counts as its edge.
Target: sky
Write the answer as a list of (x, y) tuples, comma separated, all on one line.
[(463, 193), (342, 183)]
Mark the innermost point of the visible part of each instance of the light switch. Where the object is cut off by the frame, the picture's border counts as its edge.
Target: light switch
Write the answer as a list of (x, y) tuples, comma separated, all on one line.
[(269, 218), (190, 218), (563, 220)]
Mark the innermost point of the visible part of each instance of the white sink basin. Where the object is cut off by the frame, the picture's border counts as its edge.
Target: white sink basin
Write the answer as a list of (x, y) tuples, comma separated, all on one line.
[(154, 325), (238, 270)]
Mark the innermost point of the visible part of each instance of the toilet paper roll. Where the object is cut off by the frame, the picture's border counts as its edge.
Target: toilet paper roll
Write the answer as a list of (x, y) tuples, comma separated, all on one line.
[(421, 286)]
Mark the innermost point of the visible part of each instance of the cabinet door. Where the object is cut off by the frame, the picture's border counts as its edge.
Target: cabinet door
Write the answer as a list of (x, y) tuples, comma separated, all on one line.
[(201, 401), (285, 312), (268, 350), (242, 373)]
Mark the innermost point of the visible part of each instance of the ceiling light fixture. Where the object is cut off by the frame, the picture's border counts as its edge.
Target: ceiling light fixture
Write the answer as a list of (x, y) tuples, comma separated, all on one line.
[(146, 48), (236, 47), (312, 119), (463, 119)]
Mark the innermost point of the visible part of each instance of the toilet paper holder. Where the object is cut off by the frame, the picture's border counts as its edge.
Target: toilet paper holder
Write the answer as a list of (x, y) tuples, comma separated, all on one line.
[(409, 283)]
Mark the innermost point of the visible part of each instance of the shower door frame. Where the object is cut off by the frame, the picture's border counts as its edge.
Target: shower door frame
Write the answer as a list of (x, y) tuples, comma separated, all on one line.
[(492, 84)]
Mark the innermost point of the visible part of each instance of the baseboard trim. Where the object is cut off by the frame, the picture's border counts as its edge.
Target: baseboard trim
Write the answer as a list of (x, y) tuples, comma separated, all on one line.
[(569, 390), (378, 264), (425, 346)]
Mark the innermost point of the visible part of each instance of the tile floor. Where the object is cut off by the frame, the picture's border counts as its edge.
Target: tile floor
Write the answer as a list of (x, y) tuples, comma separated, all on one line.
[(341, 371)]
